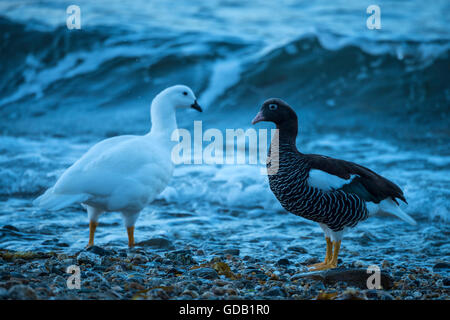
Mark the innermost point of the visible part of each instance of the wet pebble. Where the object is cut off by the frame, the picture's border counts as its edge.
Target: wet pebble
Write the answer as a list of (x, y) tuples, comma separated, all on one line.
[(183, 257), (191, 293), (283, 262), (275, 292), (138, 259), (234, 252), (99, 251), (85, 257), (158, 294), (22, 292), (157, 243), (358, 264), (298, 249), (441, 266), (205, 273), (3, 293)]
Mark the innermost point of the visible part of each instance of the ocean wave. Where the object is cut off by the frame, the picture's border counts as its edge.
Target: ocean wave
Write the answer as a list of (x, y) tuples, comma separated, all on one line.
[(321, 68), (401, 78), (42, 61)]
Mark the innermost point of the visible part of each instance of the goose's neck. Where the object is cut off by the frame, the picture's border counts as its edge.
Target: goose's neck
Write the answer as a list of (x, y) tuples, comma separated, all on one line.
[(281, 144), (164, 120), (287, 132)]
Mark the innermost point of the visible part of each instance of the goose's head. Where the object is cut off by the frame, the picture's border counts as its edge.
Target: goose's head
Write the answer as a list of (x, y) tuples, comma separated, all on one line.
[(279, 112), (276, 111), (181, 97)]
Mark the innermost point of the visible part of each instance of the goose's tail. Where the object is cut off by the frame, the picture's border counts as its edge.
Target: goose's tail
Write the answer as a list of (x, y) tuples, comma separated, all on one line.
[(56, 201), (389, 206)]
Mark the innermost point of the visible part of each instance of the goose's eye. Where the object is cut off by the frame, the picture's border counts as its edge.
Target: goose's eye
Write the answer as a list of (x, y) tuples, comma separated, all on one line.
[(273, 106), (184, 93)]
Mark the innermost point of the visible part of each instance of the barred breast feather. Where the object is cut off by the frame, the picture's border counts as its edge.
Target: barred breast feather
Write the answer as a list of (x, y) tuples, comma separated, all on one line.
[(289, 183)]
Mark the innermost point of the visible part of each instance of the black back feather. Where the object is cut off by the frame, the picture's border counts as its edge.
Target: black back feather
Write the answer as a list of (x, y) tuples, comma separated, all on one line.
[(369, 185)]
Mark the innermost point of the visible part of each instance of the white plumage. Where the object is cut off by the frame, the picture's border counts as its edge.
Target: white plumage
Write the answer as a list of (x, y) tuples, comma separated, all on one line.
[(123, 173), (325, 181)]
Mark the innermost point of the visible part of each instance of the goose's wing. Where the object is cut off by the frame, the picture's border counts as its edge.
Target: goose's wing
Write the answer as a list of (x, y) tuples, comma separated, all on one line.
[(120, 172), (92, 171), (333, 174)]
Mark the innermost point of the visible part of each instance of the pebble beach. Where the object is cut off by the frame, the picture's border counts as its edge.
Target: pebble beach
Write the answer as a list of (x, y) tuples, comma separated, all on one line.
[(156, 269), (379, 98)]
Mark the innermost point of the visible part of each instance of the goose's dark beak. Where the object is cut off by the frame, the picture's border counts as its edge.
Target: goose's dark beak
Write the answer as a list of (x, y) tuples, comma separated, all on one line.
[(259, 117), (196, 106)]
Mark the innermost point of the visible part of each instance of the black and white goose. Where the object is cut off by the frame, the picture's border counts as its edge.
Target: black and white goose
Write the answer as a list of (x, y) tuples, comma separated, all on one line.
[(335, 193)]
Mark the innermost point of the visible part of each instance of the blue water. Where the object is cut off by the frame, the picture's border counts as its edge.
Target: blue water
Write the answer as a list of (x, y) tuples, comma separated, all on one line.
[(377, 97)]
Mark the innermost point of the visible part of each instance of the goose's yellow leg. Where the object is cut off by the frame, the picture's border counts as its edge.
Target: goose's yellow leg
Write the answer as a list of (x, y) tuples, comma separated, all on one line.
[(334, 259), (332, 263), (328, 255), (92, 227), (130, 231)]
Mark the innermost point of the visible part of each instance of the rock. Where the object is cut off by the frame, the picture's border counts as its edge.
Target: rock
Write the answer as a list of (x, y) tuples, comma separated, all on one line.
[(261, 276), (16, 275), (157, 243), (283, 262), (175, 270), (207, 295), (446, 282), (191, 293), (139, 259), (50, 242), (351, 294), (192, 287), (158, 293), (231, 291), (399, 274), (200, 252), (205, 273), (135, 286), (135, 276), (88, 258), (358, 264), (353, 276), (307, 260), (378, 295), (385, 264), (59, 281), (275, 292), (298, 249), (22, 292), (223, 268), (218, 291), (233, 252), (441, 266), (10, 227), (3, 293), (183, 257), (99, 251)]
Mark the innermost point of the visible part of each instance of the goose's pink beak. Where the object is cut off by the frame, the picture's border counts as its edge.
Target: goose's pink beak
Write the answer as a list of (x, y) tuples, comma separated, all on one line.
[(259, 117)]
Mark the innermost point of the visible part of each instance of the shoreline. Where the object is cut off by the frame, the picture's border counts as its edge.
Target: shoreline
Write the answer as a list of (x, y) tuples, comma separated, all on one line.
[(156, 270)]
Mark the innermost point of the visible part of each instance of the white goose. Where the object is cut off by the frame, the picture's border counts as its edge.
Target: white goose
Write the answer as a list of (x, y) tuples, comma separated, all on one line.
[(123, 173)]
